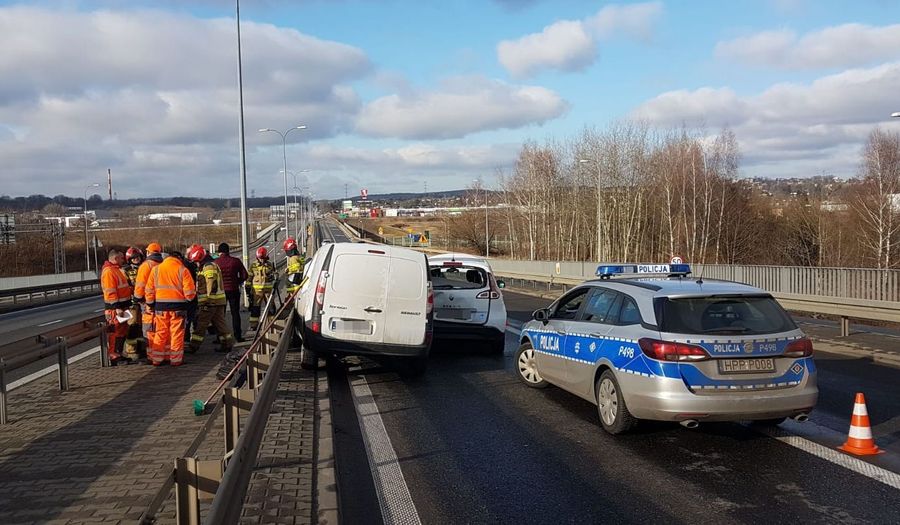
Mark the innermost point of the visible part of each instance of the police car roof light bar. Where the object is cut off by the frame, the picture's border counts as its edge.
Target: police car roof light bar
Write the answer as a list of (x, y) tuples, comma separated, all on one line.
[(606, 271)]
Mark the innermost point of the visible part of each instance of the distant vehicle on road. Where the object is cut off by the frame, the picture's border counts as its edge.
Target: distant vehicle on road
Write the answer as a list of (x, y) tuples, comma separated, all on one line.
[(361, 299), (468, 302), (671, 348)]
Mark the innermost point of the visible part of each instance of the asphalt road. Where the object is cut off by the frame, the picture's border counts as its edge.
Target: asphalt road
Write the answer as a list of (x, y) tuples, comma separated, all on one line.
[(477, 446), (332, 232)]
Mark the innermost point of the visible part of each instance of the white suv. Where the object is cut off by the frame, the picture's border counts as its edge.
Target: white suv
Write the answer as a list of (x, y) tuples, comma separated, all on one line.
[(468, 303)]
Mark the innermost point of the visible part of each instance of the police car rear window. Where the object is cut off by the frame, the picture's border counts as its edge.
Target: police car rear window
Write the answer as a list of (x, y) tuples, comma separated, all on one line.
[(721, 314)]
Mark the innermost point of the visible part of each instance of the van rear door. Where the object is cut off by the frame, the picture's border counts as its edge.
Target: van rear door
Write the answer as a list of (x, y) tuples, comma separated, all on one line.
[(406, 299), (355, 297)]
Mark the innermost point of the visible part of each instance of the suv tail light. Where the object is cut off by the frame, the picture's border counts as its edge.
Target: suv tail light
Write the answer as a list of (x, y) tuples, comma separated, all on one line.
[(800, 348), (493, 293), (670, 351)]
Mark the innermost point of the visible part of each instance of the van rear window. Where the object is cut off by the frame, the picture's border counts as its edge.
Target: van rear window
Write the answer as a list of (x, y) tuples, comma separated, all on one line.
[(722, 314)]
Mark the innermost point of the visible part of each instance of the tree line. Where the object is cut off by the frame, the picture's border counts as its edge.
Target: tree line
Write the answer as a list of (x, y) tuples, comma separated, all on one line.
[(629, 193)]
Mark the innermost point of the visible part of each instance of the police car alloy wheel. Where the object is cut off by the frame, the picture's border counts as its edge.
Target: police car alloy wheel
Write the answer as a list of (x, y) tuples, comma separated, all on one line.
[(614, 415), (526, 367)]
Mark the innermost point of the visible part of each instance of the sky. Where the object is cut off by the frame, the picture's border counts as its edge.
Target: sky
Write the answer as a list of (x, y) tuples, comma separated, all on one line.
[(396, 95)]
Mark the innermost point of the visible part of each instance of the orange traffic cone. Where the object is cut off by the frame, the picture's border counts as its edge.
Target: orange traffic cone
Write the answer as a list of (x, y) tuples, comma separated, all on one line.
[(859, 441)]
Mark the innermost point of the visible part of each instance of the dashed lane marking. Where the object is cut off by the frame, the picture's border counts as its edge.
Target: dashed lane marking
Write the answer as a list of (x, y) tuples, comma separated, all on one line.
[(50, 322), (50, 369), (397, 506), (98, 310)]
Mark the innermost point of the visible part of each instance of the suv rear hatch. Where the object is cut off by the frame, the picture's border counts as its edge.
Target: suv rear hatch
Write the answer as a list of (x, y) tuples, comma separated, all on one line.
[(462, 293)]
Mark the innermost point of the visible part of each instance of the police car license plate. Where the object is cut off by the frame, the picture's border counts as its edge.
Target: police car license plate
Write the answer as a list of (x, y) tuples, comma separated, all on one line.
[(352, 326), (746, 366)]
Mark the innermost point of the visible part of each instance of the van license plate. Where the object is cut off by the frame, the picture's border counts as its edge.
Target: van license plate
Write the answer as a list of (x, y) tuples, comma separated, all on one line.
[(351, 326), (746, 366)]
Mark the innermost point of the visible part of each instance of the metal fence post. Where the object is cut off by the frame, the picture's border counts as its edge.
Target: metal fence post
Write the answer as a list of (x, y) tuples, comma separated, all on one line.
[(3, 415), (63, 364), (104, 343), (845, 326)]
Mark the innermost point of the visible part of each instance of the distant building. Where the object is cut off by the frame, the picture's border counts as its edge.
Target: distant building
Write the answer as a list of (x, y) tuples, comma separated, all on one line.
[(166, 217), (834, 206)]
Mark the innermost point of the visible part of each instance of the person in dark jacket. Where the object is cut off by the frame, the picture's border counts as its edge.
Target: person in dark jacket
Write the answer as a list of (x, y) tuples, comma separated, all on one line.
[(233, 276)]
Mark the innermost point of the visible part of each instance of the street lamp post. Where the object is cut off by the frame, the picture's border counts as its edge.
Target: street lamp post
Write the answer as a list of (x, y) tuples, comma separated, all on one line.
[(87, 249), (284, 135), (597, 164)]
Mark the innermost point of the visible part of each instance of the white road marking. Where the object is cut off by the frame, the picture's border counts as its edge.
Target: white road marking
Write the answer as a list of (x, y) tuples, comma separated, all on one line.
[(891, 479), (396, 502), (50, 369), (99, 310), (51, 322)]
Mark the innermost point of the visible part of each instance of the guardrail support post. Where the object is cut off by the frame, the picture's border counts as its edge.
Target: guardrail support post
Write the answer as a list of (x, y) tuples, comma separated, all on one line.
[(237, 403), (845, 326), (3, 415), (195, 480), (63, 364), (257, 366), (104, 343)]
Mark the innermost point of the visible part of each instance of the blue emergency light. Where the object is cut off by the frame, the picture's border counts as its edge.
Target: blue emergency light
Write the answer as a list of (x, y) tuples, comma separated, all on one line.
[(605, 271)]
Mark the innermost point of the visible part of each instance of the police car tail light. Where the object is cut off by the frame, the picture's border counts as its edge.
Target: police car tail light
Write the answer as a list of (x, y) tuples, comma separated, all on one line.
[(799, 348), (320, 289), (671, 351)]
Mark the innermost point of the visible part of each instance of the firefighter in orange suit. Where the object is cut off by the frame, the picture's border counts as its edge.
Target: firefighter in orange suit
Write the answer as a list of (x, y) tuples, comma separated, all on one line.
[(154, 257), (170, 288), (116, 300)]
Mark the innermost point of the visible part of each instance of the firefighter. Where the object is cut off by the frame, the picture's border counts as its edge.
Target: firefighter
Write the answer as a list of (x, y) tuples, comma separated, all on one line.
[(154, 257), (135, 344), (295, 263), (210, 300), (262, 280), (116, 299), (170, 288)]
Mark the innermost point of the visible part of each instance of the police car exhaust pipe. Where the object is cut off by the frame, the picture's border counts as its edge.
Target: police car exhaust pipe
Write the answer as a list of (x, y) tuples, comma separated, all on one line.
[(801, 417), (689, 423)]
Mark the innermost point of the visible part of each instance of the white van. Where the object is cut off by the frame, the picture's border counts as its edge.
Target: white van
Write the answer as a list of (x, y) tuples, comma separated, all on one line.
[(468, 303), (364, 299)]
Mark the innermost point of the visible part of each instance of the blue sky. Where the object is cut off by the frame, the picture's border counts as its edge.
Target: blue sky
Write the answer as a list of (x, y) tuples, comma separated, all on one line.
[(397, 93)]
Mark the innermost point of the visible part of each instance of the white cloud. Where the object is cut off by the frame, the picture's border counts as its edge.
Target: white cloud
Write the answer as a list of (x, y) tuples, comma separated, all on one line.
[(462, 105), (570, 45), (838, 46), (790, 126), (153, 95)]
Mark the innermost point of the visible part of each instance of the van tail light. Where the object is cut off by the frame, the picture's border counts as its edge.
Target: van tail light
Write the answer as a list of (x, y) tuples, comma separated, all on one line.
[(316, 327), (671, 351), (320, 289), (429, 306), (800, 348)]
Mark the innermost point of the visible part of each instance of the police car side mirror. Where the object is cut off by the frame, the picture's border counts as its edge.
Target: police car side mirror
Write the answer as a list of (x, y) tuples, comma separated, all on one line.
[(501, 284), (541, 315)]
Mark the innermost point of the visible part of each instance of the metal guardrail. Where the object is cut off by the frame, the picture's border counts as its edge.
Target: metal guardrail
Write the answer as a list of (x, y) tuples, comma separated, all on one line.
[(225, 481), (848, 293), (12, 299), (18, 354)]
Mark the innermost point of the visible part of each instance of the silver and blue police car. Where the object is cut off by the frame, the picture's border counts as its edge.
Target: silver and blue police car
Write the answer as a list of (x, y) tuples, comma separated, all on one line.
[(653, 343)]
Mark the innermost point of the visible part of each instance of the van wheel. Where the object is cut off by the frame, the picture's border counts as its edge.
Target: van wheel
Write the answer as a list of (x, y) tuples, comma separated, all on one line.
[(614, 415), (526, 367), (309, 359)]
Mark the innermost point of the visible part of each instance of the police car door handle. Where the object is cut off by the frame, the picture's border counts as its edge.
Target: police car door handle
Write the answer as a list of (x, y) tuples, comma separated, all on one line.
[(372, 310), (595, 335), (560, 332)]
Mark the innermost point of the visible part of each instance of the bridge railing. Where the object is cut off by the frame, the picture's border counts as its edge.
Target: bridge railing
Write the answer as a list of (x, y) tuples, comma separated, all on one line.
[(859, 293)]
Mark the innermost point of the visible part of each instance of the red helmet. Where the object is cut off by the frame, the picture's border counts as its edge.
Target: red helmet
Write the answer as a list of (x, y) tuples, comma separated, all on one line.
[(262, 253), (290, 244), (133, 252), (196, 253)]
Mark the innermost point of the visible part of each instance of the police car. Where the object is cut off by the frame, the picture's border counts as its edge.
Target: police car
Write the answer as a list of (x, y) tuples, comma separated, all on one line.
[(653, 343)]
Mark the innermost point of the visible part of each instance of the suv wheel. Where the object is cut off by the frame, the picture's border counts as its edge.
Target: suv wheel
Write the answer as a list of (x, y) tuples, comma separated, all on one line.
[(526, 367), (614, 415)]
